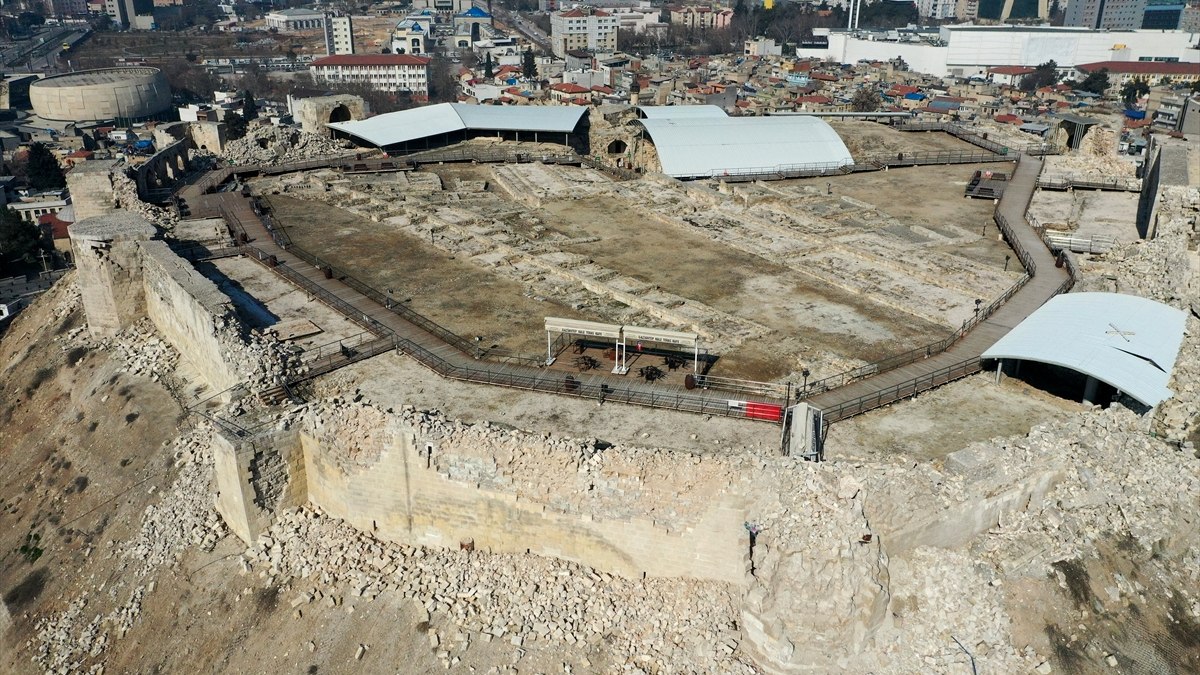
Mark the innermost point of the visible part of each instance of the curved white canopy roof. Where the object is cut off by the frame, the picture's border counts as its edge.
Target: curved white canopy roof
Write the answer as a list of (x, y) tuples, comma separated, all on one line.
[(702, 146), (1125, 341), (416, 123)]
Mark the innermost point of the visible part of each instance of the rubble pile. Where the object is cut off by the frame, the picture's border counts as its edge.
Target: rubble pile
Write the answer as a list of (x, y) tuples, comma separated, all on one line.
[(126, 197), (1178, 417), (270, 145), (68, 641), (658, 625), (1137, 267), (185, 516), (900, 560), (262, 361), (1096, 157)]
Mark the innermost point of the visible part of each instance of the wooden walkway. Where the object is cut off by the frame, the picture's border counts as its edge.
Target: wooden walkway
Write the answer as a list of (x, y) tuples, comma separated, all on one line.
[(962, 358), (451, 356)]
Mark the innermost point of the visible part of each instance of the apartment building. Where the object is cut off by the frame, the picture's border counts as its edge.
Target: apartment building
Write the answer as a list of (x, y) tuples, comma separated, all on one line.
[(382, 72), (583, 28), (700, 17), (339, 35)]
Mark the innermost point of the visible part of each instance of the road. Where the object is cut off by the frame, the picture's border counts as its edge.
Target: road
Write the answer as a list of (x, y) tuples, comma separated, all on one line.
[(518, 23)]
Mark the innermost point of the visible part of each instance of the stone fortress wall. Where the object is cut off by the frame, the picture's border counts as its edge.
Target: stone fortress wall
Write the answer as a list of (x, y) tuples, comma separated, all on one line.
[(421, 480), (125, 275)]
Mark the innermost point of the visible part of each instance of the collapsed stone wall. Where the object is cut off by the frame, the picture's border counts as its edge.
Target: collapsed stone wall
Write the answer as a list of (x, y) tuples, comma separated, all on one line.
[(419, 480), (200, 321)]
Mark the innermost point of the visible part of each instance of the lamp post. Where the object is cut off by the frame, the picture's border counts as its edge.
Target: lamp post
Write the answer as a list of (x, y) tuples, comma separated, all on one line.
[(805, 374), (978, 302), (1006, 259)]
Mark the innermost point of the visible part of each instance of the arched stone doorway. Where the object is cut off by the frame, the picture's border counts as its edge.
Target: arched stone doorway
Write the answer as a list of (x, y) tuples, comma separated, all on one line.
[(618, 147), (339, 114)]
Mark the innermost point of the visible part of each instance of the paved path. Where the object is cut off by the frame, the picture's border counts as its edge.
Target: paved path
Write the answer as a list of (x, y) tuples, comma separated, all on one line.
[(962, 358)]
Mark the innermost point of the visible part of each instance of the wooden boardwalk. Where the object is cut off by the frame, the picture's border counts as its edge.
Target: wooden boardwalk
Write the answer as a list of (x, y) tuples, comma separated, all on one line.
[(962, 358), (454, 357)]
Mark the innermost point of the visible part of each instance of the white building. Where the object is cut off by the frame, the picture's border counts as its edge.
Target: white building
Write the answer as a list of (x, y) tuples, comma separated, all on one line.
[(412, 36), (969, 51), (31, 211), (638, 19), (339, 35), (762, 46), (583, 28), (295, 20), (382, 72)]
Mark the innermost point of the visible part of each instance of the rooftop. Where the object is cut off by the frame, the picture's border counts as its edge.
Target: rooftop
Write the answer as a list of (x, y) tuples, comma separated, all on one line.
[(1125, 341)]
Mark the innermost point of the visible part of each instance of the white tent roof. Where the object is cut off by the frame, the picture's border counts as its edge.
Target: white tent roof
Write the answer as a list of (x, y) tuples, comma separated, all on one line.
[(692, 147), (416, 123), (1122, 340), (663, 112)]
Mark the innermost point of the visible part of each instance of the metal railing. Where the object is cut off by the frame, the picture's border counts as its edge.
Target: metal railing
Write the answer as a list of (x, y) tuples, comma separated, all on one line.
[(540, 379), (900, 391), (486, 154), (772, 390), (1079, 183), (1065, 241)]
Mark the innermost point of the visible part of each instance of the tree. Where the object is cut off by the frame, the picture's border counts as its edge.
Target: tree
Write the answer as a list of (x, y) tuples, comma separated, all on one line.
[(235, 126), (1045, 75), (1133, 90), (1096, 82), (488, 68), (529, 68), (42, 168), (19, 239), (249, 106), (866, 99)]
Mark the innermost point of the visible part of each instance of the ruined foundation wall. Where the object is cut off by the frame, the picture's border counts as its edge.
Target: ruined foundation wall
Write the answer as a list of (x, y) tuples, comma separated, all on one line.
[(188, 310), (387, 481)]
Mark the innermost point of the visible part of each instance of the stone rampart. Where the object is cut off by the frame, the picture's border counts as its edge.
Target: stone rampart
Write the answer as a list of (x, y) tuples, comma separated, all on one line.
[(190, 311), (424, 481)]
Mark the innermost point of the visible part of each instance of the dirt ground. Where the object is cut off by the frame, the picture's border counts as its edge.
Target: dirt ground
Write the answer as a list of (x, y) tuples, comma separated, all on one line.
[(1088, 212), (394, 380), (944, 420), (266, 302), (457, 294), (771, 319), (869, 138)]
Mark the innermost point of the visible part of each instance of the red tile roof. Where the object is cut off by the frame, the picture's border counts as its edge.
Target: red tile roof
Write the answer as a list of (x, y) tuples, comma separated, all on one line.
[(1141, 67), (1008, 119), (569, 88), (371, 60)]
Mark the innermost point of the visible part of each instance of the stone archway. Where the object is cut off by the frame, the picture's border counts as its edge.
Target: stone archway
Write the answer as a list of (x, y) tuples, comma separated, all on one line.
[(618, 147), (339, 114)]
